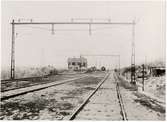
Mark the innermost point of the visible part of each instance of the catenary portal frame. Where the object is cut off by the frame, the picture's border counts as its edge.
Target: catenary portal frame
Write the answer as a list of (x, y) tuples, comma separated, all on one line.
[(18, 23)]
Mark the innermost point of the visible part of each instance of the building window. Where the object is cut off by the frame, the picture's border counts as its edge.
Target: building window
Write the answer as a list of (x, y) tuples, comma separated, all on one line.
[(79, 64), (69, 63)]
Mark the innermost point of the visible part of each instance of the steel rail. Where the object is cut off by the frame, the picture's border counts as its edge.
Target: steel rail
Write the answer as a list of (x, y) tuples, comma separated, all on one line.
[(3, 81), (30, 83), (29, 80), (26, 78), (76, 112), (123, 111), (35, 84), (37, 89)]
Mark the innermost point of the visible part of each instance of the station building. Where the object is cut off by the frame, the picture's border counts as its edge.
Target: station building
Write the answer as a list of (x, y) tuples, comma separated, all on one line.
[(77, 64)]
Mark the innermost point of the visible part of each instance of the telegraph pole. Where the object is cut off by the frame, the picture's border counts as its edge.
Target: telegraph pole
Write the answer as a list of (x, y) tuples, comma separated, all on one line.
[(143, 77), (13, 52), (119, 65)]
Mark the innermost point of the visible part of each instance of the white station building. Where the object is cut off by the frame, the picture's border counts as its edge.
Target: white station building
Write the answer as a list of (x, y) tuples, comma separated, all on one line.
[(77, 63)]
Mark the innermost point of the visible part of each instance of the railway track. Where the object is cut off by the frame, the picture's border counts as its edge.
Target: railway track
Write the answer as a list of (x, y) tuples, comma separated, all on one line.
[(84, 113), (5, 90), (29, 81), (20, 91), (87, 99), (98, 97), (121, 103), (58, 101)]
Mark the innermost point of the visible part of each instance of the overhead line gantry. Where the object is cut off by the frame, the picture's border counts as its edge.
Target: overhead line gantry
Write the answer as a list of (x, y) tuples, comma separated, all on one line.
[(91, 22)]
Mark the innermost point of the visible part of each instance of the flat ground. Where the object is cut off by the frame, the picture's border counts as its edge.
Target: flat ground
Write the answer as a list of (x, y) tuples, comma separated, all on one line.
[(53, 103), (139, 106), (154, 86), (104, 104), (24, 82), (59, 102)]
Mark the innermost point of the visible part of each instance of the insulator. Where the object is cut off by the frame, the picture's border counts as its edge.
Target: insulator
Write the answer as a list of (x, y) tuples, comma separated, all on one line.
[(53, 29)]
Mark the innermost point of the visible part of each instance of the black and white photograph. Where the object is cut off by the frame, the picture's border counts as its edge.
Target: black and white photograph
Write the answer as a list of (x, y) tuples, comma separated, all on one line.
[(101, 60)]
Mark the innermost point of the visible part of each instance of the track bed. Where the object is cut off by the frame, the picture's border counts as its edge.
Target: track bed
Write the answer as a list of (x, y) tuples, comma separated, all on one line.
[(53, 103)]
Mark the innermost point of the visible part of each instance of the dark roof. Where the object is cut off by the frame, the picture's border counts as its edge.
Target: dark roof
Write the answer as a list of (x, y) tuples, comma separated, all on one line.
[(81, 59)]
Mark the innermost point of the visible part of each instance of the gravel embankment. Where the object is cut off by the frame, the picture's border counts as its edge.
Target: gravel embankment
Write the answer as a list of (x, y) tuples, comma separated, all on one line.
[(140, 106)]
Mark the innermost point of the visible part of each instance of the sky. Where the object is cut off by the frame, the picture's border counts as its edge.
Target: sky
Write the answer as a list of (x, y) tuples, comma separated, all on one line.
[(35, 45)]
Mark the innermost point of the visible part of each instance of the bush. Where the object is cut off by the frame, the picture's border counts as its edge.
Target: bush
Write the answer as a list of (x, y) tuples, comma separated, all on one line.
[(23, 72), (53, 72)]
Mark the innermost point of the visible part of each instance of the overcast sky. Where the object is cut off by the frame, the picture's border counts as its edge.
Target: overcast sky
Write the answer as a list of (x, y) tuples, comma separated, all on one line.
[(35, 45)]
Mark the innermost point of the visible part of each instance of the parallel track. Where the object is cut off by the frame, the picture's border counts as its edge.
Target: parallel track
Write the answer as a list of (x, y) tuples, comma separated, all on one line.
[(77, 111), (24, 86), (43, 80), (37, 89), (18, 80)]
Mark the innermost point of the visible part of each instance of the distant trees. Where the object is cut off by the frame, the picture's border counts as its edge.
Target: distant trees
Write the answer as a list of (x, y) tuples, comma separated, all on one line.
[(5, 74), (53, 72), (23, 72)]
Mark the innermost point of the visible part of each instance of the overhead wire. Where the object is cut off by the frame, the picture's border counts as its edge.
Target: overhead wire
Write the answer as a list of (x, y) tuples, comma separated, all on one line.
[(47, 29)]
